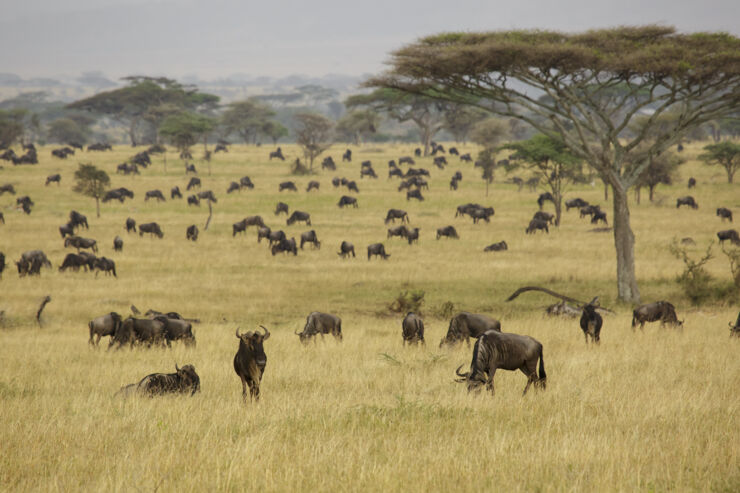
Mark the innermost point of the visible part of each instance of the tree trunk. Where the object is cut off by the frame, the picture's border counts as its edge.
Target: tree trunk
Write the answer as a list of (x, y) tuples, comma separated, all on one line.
[(730, 173), (97, 205), (637, 195), (624, 241), (426, 137), (132, 132), (606, 191), (558, 208), (652, 192)]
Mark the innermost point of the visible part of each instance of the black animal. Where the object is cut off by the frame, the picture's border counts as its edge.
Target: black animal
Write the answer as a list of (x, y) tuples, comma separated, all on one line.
[(9, 188), (31, 263), (405, 160), (66, 230), (336, 182), (440, 162), (328, 163), (599, 216), (347, 156), (154, 194), (299, 216), (692, 182), (543, 198), (120, 194), (99, 146), (466, 157), (284, 246), (544, 216), (81, 243), (453, 151), (496, 247), (105, 325), (465, 325), (141, 159), (412, 329), (139, 330), (395, 172), (652, 312), (576, 203), (104, 264), (263, 232), (233, 187), (310, 237), (130, 225), (447, 232), (250, 361), (127, 169), (320, 323), (193, 183), (313, 185), (192, 233), (151, 228), (414, 194), (417, 152), (77, 220), (193, 200), (57, 178), (400, 231), (536, 224), (242, 225), (735, 329), (518, 182), (190, 168), (729, 234), (377, 249), (62, 153), (281, 207), (2, 263), (412, 235), (724, 213), (175, 193), (117, 244), (484, 213), (276, 237), (346, 200), (687, 200), (591, 321), (588, 210), (220, 148), (287, 185), (345, 249), (352, 186), (278, 154), (394, 214), (184, 380), (207, 195), (246, 182), (367, 171), (73, 261), (495, 350), (176, 329)]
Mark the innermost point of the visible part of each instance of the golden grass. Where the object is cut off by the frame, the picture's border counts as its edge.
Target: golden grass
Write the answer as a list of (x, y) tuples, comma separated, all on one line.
[(644, 411)]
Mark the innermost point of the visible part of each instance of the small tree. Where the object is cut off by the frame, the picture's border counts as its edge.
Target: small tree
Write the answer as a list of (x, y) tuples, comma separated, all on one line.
[(185, 129), (662, 170), (247, 118), (488, 133), (726, 154), (358, 124), (92, 182), (274, 131), (313, 133), (67, 130), (459, 121)]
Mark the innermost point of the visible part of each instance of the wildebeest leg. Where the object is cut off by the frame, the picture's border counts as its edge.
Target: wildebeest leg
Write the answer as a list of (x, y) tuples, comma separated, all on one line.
[(530, 370), (489, 384), (244, 389), (97, 341)]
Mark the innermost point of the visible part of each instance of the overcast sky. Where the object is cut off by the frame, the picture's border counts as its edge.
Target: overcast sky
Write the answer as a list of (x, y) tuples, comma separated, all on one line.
[(213, 38)]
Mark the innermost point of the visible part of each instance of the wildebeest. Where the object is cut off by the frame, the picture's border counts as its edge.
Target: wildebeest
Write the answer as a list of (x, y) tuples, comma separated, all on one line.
[(192, 233), (127, 169), (346, 200), (81, 243), (729, 234), (250, 361), (142, 330), (280, 208), (687, 200), (25, 203), (57, 178), (692, 182), (119, 194), (117, 244), (447, 232), (175, 193), (62, 153), (496, 247), (246, 182), (724, 213), (414, 194), (278, 154), (328, 163), (99, 146), (287, 185), (73, 261), (151, 228), (242, 225), (352, 186), (299, 216), (412, 235), (652, 312), (193, 183), (184, 380), (591, 321), (495, 350), (66, 230), (345, 249), (599, 216), (2, 264), (233, 187), (193, 200), (102, 326), (263, 232), (466, 157), (563, 309), (220, 148), (377, 249), (545, 197), (453, 151), (207, 195), (190, 168), (176, 329), (276, 237), (130, 225), (31, 262), (453, 183), (394, 214), (367, 171), (310, 237), (400, 231), (336, 182), (484, 213), (104, 264), (7, 188), (440, 162), (544, 216), (465, 325), (735, 329), (284, 246), (536, 224), (77, 220), (394, 171), (412, 329), (154, 194), (575, 203), (588, 210), (406, 160), (347, 156), (313, 185), (321, 323)]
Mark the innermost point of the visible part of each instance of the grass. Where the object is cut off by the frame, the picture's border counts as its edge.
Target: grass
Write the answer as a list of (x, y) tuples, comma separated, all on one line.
[(643, 411)]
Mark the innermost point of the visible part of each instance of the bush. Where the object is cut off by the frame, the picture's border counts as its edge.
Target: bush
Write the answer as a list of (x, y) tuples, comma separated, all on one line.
[(408, 301), (694, 280)]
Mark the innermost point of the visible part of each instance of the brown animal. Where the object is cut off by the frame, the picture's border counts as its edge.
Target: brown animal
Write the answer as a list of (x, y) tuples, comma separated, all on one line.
[(250, 361)]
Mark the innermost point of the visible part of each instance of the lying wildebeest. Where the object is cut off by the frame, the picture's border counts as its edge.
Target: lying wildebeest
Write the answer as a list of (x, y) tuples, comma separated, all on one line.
[(729, 234), (496, 247), (73, 261), (281, 207), (346, 200), (394, 214), (192, 232), (207, 195), (250, 361), (412, 235), (447, 232), (465, 325), (347, 156), (193, 183), (177, 329), (495, 350), (313, 185), (563, 309), (692, 182), (104, 264), (377, 249), (284, 246), (687, 200), (414, 194), (31, 263), (400, 231), (263, 232), (545, 197), (154, 194), (184, 380), (652, 312), (544, 216), (412, 329), (345, 249), (599, 216), (724, 213), (287, 185), (117, 244), (130, 225), (276, 237), (175, 192), (278, 154), (57, 178), (81, 243), (591, 321), (321, 323), (105, 325), (536, 224), (151, 228), (77, 220), (310, 237), (299, 216), (193, 200), (575, 203)]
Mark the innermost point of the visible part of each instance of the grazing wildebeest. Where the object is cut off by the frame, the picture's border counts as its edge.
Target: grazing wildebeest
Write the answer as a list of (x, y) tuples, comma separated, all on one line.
[(99, 146), (692, 182), (242, 225), (465, 325), (90, 258), (127, 169), (394, 214), (588, 210), (154, 194), (328, 163), (57, 178), (536, 224), (220, 148), (142, 330), (591, 321), (287, 185), (729, 234), (453, 151), (440, 162), (151, 228), (395, 172), (447, 232), (310, 237), (336, 182), (543, 198), (66, 230), (599, 216), (346, 200), (575, 203), (62, 153), (263, 232), (104, 264), (192, 233), (142, 159), (400, 231), (412, 329), (79, 243), (321, 323), (495, 350), (735, 329), (345, 249), (417, 152), (453, 183), (347, 156), (496, 247), (193, 200), (186, 154), (468, 208), (184, 380), (544, 216), (280, 208), (278, 154), (412, 235), (484, 213), (73, 261), (233, 187), (207, 195), (377, 249), (77, 220), (113, 195), (117, 244), (284, 246), (250, 361), (414, 194), (652, 312), (31, 263), (724, 213), (466, 157), (299, 216), (175, 193), (190, 168), (313, 185), (405, 160), (352, 186), (687, 200), (105, 325), (518, 182), (176, 329), (193, 183), (246, 182), (367, 171), (9, 188), (276, 237), (130, 225)]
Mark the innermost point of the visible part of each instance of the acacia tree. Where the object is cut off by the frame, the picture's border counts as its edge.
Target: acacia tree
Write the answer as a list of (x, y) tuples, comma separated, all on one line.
[(274, 130), (488, 133), (460, 121), (185, 129), (313, 133), (358, 124), (726, 154), (661, 170), (656, 69), (92, 182), (247, 118)]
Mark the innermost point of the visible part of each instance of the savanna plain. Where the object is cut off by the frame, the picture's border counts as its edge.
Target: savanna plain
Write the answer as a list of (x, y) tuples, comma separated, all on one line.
[(644, 411)]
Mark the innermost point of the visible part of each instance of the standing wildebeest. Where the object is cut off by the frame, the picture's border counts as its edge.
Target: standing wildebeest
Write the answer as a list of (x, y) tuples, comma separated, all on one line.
[(31, 262), (591, 321), (119, 194), (466, 157), (192, 233), (193, 183), (106, 265), (281, 207), (406, 160), (117, 244), (377, 249), (176, 329), (242, 225), (414, 194), (287, 185), (412, 235), (692, 182), (346, 200), (729, 234), (263, 232), (599, 216), (184, 380), (735, 329), (652, 312), (154, 194), (494, 350), (465, 325), (104, 325), (310, 237), (73, 261), (79, 243), (66, 230), (130, 225), (151, 228), (544, 216), (142, 330), (447, 232), (9, 188), (207, 195), (220, 148), (575, 203), (412, 329), (278, 154), (246, 182), (536, 224), (347, 156), (588, 210), (193, 200), (400, 231), (352, 186), (275, 237), (299, 216), (313, 185), (57, 178), (175, 193), (328, 163), (2, 263), (724, 213), (395, 171), (543, 198), (367, 171), (496, 247), (233, 187), (394, 214), (687, 200), (336, 182), (484, 213), (345, 249), (284, 246), (190, 168), (77, 220), (321, 323), (250, 361)]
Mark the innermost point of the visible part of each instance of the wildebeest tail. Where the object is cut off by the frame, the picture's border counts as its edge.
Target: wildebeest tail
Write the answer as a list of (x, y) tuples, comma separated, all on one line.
[(543, 375), (90, 326), (634, 318)]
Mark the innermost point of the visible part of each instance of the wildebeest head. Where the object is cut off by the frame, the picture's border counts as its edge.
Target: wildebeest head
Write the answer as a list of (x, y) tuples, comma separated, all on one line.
[(474, 378), (253, 342), (188, 378)]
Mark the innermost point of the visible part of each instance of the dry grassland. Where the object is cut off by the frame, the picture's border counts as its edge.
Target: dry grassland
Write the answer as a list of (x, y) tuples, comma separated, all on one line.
[(652, 411)]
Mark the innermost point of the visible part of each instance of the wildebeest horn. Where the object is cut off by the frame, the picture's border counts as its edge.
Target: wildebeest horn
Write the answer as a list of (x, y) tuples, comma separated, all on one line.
[(176, 367), (464, 375), (595, 301), (299, 333), (267, 332), (237, 333)]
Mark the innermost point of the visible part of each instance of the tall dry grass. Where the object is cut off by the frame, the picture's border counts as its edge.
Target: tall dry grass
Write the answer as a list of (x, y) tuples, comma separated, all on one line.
[(643, 411)]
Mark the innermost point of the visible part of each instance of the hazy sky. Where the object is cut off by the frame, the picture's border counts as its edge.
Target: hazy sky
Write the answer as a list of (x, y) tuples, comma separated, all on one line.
[(211, 38)]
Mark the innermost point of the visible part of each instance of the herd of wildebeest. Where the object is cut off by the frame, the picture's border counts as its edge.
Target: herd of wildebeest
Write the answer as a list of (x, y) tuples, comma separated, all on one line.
[(493, 349)]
